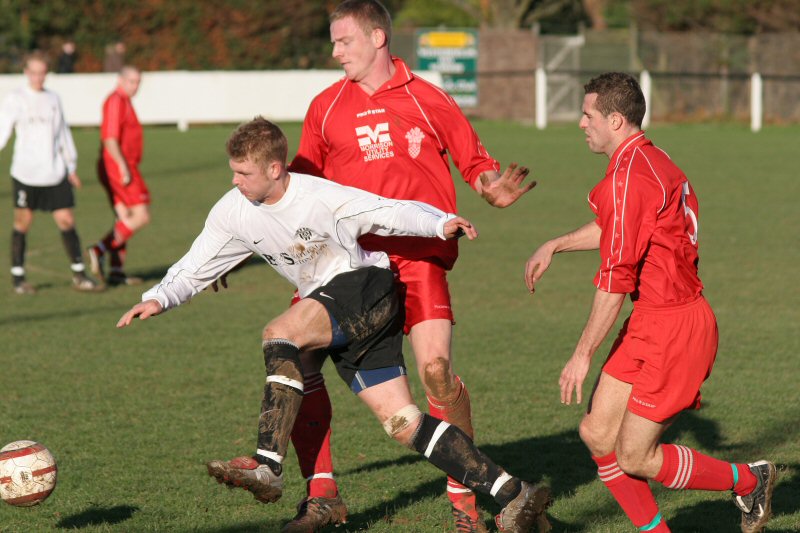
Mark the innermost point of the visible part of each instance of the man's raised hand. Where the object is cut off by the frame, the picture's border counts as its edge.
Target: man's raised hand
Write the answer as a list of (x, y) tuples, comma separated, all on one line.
[(502, 190)]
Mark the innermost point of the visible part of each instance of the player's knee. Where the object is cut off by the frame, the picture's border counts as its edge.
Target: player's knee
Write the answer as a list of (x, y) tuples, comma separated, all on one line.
[(402, 425), (138, 220), (274, 331), (439, 381), (597, 438), (630, 460)]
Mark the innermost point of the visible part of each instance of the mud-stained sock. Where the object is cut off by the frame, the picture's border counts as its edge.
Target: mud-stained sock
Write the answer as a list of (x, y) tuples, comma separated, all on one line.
[(452, 451), (283, 393)]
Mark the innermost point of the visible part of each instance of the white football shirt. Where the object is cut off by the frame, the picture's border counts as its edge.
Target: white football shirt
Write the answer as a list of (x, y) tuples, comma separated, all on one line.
[(309, 236), (44, 152)]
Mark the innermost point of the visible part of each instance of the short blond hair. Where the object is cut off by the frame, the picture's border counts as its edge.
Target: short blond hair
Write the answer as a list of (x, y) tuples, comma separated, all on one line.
[(368, 14), (35, 55), (260, 141)]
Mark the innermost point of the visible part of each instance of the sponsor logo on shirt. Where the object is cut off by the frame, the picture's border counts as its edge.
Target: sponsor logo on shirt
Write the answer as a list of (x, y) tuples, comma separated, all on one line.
[(414, 137), (375, 142), (304, 233), (370, 112), (297, 255)]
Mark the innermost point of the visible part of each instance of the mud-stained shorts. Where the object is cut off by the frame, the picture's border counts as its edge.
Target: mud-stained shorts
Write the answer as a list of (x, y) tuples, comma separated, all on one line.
[(366, 319)]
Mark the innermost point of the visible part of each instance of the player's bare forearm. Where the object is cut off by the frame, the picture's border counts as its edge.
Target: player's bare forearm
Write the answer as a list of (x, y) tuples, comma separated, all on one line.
[(502, 190), (143, 310), (112, 145), (605, 310), (587, 237)]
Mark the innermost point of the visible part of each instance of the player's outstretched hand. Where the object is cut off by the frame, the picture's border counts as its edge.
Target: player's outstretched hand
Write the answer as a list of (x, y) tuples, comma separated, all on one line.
[(572, 378), (143, 310), (458, 227), (537, 265), (507, 188)]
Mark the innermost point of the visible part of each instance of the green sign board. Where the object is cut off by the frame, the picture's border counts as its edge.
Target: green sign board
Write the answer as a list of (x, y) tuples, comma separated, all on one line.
[(454, 53)]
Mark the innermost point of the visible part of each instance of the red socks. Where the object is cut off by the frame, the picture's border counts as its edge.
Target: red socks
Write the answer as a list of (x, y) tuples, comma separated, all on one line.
[(632, 493), (116, 238), (685, 468), (311, 437)]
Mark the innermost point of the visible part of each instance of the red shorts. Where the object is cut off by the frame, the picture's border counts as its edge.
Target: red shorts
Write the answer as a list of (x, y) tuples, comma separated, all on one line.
[(666, 353), (135, 193), (423, 285)]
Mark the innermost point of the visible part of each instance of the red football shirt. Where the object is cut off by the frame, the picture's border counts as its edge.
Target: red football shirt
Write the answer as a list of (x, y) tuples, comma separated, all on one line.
[(121, 123), (394, 143), (648, 213)]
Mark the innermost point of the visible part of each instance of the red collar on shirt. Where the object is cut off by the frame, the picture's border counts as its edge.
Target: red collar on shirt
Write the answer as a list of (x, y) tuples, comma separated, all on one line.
[(634, 141), (402, 76), (122, 93)]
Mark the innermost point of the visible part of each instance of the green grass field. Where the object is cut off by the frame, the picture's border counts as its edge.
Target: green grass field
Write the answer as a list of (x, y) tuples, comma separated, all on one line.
[(132, 415)]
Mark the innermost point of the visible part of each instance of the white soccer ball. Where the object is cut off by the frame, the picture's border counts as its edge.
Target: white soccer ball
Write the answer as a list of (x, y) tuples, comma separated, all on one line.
[(27, 473)]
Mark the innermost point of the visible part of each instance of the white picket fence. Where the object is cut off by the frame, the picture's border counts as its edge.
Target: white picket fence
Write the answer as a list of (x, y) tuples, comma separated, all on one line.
[(645, 81)]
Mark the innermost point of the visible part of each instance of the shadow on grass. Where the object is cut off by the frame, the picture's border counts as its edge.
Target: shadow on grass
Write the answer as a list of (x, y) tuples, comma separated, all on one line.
[(267, 526), (564, 462), (96, 516), (560, 458), (20, 318), (721, 515)]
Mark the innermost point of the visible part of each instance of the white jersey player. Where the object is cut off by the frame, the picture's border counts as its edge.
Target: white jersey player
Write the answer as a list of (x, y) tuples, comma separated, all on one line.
[(43, 169), (309, 236), (307, 229), (44, 152)]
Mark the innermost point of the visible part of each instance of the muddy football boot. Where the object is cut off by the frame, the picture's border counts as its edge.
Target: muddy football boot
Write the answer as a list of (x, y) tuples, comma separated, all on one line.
[(315, 513), (83, 283), (249, 474), (526, 510)]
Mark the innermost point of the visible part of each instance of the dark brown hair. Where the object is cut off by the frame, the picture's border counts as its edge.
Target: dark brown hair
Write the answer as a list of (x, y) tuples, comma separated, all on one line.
[(618, 92)]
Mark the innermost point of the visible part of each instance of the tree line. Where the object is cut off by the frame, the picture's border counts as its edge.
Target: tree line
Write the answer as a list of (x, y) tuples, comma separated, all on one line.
[(274, 34)]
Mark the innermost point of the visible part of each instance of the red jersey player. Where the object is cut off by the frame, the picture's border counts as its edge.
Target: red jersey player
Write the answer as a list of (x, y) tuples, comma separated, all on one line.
[(646, 229), (118, 171), (387, 131)]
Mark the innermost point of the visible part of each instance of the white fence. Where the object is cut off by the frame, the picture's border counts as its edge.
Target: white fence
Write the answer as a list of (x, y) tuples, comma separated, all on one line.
[(645, 80), (183, 98)]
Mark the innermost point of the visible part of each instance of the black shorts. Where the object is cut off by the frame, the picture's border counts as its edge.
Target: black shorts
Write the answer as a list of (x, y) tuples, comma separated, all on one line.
[(48, 198), (366, 318)]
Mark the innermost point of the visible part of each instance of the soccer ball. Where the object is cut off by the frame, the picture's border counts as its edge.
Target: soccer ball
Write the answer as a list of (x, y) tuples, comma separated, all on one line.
[(27, 473)]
